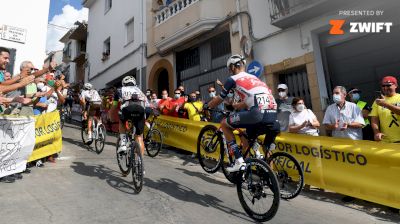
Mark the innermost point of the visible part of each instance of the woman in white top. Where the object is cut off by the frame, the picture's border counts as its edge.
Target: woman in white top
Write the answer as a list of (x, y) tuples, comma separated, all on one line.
[(302, 120)]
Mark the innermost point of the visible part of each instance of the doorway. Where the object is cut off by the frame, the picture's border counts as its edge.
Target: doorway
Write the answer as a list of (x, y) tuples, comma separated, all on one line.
[(163, 82)]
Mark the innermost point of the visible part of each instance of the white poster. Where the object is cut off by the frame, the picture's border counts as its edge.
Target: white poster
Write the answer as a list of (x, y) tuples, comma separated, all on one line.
[(17, 139)]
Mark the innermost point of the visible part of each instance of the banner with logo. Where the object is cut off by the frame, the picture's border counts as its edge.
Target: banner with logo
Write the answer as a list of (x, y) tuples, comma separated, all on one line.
[(17, 139), (362, 169), (48, 134)]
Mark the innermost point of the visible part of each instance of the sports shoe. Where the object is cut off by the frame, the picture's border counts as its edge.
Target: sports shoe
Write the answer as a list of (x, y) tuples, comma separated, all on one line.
[(147, 124), (89, 136), (122, 145), (239, 165)]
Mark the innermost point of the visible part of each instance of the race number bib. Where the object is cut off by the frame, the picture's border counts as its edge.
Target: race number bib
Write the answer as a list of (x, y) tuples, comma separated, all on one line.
[(262, 101)]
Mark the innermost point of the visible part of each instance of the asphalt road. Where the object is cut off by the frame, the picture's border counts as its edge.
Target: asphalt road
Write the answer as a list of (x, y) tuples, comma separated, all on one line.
[(83, 187)]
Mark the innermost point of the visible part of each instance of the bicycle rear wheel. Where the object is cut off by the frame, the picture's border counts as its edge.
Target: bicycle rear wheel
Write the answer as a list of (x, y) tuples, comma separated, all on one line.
[(153, 142), (101, 138), (123, 159), (208, 149), (258, 190), (137, 167), (288, 172)]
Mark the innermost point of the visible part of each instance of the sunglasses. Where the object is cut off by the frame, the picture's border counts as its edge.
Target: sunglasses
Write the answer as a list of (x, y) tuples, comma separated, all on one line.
[(281, 90), (387, 85), (177, 93)]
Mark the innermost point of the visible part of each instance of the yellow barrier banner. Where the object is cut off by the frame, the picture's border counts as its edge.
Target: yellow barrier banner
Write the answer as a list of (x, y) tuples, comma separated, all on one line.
[(362, 169), (48, 140)]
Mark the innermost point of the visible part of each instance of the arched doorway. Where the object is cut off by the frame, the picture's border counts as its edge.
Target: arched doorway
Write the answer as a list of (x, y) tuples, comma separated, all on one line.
[(162, 82)]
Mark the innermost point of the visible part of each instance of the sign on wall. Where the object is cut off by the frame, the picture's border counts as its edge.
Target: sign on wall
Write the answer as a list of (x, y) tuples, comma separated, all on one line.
[(13, 33)]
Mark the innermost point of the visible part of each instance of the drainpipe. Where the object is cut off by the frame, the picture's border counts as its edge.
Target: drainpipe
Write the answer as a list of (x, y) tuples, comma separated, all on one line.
[(142, 45)]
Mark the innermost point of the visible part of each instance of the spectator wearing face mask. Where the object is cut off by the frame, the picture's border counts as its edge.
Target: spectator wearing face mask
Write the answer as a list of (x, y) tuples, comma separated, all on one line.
[(176, 103), (215, 116), (164, 105), (302, 120), (148, 94), (154, 101), (41, 103), (355, 97), (194, 108), (284, 106), (342, 117)]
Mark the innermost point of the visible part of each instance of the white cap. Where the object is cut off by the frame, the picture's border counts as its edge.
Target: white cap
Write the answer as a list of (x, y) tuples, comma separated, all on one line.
[(282, 86)]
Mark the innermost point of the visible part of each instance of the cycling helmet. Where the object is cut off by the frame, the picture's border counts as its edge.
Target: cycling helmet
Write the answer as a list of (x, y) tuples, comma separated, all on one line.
[(88, 86), (235, 59), (128, 79)]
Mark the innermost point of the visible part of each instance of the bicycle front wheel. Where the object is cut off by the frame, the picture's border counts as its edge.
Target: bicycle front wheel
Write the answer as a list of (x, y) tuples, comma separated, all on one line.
[(208, 149), (123, 159), (289, 173), (153, 142), (101, 138), (137, 167), (258, 190)]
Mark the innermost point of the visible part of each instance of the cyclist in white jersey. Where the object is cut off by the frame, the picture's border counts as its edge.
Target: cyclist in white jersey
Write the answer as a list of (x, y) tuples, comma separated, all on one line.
[(255, 111), (133, 103), (91, 104)]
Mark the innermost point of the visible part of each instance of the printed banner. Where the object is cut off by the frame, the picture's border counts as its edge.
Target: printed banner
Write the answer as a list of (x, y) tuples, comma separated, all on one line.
[(362, 169), (17, 140), (48, 135)]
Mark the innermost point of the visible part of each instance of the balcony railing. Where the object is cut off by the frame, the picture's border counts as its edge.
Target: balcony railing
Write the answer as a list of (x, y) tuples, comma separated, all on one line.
[(281, 8), (173, 9)]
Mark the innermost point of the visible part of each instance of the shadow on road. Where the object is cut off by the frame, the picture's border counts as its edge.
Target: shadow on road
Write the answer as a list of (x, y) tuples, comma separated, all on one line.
[(205, 177), (381, 212), (183, 193), (104, 173)]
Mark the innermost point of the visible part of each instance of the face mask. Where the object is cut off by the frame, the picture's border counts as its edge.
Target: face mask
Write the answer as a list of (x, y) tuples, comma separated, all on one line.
[(212, 94), (192, 99), (230, 95), (300, 107), (164, 97), (50, 83), (177, 96), (282, 94), (40, 85), (356, 96), (153, 100), (337, 98)]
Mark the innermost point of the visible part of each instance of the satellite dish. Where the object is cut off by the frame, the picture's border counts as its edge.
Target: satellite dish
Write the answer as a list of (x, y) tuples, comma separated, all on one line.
[(246, 46)]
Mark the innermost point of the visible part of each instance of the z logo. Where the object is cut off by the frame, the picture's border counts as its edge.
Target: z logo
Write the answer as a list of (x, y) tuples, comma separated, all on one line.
[(336, 28)]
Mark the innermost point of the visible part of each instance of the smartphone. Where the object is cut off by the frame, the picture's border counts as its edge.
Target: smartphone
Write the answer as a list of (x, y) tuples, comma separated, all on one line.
[(378, 95)]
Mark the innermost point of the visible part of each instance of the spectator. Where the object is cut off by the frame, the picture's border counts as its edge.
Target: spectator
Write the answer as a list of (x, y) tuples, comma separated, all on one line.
[(7, 76), (148, 94), (284, 106), (182, 89), (354, 96), (154, 101), (176, 103), (302, 120), (194, 108), (343, 118), (385, 114), (164, 105), (4, 60), (215, 117)]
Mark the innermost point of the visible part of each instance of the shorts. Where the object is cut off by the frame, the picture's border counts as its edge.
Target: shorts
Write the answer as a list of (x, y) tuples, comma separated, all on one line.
[(256, 123), (94, 109), (136, 114)]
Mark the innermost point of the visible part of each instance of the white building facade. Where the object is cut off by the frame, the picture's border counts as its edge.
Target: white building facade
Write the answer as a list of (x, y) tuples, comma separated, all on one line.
[(116, 33), (23, 29), (294, 44)]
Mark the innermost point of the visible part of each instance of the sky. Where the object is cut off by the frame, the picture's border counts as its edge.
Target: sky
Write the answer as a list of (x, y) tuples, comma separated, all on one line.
[(63, 13)]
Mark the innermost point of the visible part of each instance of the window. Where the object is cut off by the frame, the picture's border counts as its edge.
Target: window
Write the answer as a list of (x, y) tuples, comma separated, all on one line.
[(129, 26), (106, 49), (220, 45), (188, 58), (108, 5)]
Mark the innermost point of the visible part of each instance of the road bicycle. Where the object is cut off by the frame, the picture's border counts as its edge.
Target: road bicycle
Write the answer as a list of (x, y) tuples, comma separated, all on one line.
[(64, 114), (153, 140), (99, 134), (256, 185), (212, 151), (131, 159)]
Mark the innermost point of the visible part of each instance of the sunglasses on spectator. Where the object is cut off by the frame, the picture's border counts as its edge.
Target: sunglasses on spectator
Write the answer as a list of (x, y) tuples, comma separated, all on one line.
[(281, 90), (386, 85), (211, 91), (178, 93)]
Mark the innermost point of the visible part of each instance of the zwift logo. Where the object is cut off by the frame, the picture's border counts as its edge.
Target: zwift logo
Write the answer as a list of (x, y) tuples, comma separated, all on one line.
[(359, 27)]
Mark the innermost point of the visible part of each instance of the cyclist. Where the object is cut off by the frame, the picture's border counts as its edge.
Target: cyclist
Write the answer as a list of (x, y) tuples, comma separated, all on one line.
[(133, 103), (256, 110), (91, 104)]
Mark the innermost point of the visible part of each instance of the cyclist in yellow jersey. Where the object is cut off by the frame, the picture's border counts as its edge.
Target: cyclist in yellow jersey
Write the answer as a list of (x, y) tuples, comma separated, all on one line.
[(385, 114)]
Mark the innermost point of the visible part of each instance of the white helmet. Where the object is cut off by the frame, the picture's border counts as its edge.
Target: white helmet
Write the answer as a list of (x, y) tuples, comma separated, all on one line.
[(88, 86), (234, 59), (128, 79)]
